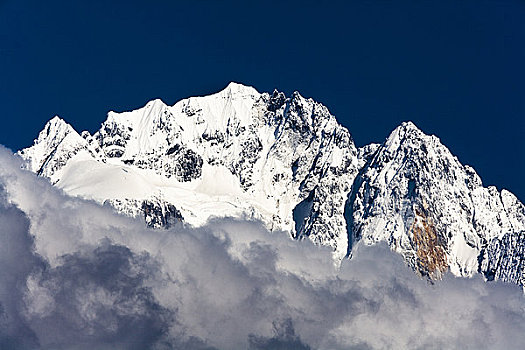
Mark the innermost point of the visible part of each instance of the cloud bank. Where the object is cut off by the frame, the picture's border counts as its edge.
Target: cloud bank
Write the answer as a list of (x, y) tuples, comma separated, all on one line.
[(75, 275)]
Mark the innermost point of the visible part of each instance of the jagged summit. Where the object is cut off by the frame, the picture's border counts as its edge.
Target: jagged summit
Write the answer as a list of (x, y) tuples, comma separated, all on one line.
[(408, 125), (406, 132), (55, 129), (56, 137), (287, 162), (56, 120)]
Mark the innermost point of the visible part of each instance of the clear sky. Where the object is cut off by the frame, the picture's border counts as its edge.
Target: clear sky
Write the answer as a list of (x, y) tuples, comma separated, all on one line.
[(455, 68)]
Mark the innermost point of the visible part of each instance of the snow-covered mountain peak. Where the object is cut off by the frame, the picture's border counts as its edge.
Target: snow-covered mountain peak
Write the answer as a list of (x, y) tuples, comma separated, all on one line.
[(55, 121), (408, 125), (237, 89), (155, 103), (417, 196), (287, 162), (407, 132), (283, 160), (56, 137), (55, 130)]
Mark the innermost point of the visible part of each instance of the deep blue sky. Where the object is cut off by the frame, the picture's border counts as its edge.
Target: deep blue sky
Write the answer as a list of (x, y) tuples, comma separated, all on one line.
[(455, 68)]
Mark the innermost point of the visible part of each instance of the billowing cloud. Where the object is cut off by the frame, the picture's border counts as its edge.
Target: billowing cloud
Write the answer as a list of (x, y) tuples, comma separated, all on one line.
[(75, 275)]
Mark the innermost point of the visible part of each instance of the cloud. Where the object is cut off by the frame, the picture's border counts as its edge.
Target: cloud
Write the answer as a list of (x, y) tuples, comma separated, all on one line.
[(16, 262), (96, 297), (284, 338), (75, 275)]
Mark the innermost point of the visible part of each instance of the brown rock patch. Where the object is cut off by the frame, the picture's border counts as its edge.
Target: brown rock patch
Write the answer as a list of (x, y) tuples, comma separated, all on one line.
[(431, 256)]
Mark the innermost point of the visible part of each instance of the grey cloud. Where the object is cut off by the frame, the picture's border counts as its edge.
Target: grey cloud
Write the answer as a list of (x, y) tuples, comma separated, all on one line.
[(81, 276), (93, 299), (17, 261), (100, 298), (284, 338)]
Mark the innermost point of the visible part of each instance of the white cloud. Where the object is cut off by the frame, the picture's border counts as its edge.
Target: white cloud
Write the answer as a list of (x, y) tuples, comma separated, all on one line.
[(77, 276)]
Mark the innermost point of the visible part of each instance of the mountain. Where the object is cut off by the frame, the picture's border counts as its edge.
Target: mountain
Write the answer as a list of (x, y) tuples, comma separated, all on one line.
[(414, 194), (287, 162)]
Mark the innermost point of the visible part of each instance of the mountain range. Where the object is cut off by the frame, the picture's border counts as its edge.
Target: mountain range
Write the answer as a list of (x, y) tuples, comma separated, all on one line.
[(287, 162)]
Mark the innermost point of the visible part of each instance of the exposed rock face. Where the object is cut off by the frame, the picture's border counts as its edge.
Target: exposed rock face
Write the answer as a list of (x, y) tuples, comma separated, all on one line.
[(287, 162), (431, 258), (159, 215), (156, 212), (504, 259)]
